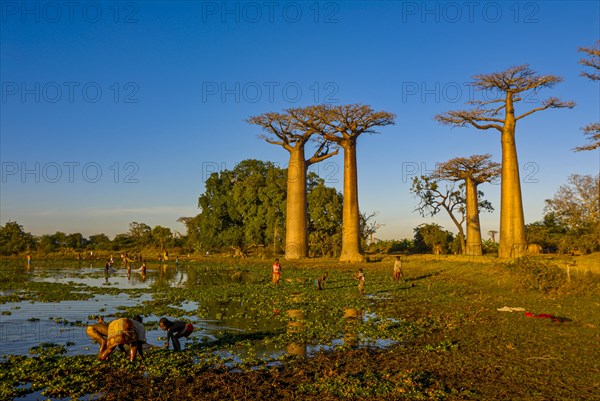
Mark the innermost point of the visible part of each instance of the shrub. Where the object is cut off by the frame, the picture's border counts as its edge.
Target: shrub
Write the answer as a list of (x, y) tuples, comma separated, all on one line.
[(537, 274)]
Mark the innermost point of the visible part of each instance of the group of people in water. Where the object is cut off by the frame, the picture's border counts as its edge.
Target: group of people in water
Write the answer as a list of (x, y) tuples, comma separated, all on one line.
[(108, 267), (129, 335), (398, 275)]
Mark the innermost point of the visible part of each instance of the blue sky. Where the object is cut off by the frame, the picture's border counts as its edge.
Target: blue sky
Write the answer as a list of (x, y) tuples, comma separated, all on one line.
[(113, 112)]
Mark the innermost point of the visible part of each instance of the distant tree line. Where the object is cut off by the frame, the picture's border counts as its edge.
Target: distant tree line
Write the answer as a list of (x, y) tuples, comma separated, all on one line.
[(243, 211), (15, 240), (258, 206)]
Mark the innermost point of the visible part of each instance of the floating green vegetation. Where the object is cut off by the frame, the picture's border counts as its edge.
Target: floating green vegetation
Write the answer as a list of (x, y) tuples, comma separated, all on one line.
[(437, 335)]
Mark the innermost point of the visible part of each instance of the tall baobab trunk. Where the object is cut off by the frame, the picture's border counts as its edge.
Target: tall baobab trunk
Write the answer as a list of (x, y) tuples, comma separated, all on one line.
[(351, 216), (515, 82), (512, 221), (296, 243), (342, 125), (473, 227), (290, 131)]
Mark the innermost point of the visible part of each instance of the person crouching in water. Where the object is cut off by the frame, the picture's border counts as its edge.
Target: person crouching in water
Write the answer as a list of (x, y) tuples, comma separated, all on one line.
[(122, 332), (175, 330), (99, 333)]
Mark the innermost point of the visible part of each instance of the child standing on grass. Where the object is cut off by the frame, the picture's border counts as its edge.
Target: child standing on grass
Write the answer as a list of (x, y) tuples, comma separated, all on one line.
[(360, 276), (175, 330), (398, 274), (276, 272)]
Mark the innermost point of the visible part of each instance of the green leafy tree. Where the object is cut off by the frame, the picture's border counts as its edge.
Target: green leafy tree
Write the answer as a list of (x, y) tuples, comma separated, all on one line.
[(325, 207), (14, 240), (432, 238), (162, 237), (123, 241), (76, 241), (548, 233), (243, 208), (192, 238), (576, 205), (140, 233), (46, 244), (60, 240), (99, 242), (571, 220)]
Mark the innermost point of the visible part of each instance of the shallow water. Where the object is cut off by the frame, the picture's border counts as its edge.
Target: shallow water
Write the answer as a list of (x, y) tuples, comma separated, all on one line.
[(55, 322), (26, 324), (239, 317)]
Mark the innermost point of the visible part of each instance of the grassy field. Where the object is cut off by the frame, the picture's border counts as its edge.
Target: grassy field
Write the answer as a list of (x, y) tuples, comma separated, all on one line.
[(449, 340)]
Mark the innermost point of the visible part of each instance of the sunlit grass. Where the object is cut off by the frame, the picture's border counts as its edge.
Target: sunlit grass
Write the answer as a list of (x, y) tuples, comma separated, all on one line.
[(444, 335)]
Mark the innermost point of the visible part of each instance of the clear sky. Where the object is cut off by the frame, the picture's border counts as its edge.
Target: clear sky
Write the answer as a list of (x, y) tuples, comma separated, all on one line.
[(113, 112)]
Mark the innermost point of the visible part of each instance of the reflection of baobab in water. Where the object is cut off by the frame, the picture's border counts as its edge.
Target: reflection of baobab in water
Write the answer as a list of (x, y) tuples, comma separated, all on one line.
[(351, 316), (296, 325)]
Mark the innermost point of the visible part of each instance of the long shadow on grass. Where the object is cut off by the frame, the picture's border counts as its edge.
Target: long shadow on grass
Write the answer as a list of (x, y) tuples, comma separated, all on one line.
[(424, 276)]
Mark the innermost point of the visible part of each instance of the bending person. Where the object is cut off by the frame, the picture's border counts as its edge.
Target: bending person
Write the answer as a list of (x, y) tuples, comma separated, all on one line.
[(123, 332), (175, 330), (99, 333)]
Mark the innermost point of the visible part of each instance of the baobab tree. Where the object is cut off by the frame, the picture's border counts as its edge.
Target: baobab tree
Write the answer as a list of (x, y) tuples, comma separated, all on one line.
[(514, 84), (433, 197), (492, 234), (343, 125), (473, 170), (592, 131), (288, 131)]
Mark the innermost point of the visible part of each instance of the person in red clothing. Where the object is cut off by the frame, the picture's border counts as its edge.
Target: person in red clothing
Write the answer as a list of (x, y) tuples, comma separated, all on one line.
[(276, 272)]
